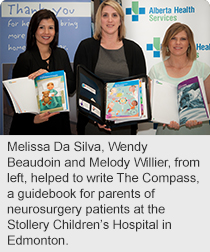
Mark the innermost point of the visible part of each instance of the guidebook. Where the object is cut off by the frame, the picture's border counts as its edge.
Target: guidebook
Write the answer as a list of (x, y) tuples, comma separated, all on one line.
[(113, 102), (47, 92), (181, 103)]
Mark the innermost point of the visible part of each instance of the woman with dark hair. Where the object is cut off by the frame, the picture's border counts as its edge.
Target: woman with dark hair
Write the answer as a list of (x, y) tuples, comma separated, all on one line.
[(34, 23), (110, 56), (42, 55), (179, 64)]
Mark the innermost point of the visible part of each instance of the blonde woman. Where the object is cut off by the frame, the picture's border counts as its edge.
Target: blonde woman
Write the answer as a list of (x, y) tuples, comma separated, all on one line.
[(179, 64), (110, 56)]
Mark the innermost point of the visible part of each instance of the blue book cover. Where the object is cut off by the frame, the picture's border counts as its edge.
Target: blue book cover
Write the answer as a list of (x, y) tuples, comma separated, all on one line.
[(52, 92)]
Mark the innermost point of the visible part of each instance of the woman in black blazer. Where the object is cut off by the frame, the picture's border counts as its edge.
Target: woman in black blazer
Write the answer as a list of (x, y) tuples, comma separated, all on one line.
[(42, 55), (110, 56)]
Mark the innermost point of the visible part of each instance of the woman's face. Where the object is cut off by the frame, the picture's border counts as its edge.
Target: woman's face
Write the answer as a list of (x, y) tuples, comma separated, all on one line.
[(45, 32), (110, 21), (178, 44)]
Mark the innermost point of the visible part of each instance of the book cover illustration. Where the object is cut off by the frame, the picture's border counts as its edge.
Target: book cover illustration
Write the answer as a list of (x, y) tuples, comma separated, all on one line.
[(113, 102), (51, 92), (48, 92), (124, 100), (186, 101), (191, 103)]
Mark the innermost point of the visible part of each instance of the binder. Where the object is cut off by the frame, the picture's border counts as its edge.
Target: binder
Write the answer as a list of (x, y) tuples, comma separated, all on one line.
[(114, 103)]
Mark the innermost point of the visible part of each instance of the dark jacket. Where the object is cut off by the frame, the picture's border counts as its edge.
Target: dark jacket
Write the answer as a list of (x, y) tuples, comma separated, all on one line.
[(27, 63), (88, 51), (87, 54)]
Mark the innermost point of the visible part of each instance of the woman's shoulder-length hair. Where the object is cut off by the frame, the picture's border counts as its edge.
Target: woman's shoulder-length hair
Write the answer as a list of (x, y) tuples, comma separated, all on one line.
[(114, 4), (171, 32), (34, 23)]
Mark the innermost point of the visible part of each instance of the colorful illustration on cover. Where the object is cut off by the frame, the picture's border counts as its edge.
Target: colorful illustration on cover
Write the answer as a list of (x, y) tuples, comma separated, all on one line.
[(123, 99), (191, 104), (51, 95)]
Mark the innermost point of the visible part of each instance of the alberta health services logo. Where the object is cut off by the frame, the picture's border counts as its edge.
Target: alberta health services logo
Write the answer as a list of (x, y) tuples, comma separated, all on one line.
[(156, 45), (159, 14), (135, 11)]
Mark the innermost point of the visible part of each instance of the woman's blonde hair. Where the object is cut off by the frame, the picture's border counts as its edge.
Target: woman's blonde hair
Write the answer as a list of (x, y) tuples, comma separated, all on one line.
[(119, 10), (173, 30)]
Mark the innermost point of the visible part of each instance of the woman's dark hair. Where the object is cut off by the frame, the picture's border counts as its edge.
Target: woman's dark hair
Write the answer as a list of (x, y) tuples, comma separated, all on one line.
[(34, 23)]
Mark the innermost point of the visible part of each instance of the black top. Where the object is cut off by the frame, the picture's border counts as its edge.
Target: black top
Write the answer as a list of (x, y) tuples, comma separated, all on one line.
[(88, 51), (27, 63), (87, 54)]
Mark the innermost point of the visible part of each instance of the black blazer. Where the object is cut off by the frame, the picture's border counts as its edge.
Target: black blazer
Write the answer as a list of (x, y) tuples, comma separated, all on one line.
[(88, 51), (87, 54)]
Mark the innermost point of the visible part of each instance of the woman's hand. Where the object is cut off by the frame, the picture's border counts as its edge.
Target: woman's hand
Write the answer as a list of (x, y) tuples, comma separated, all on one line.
[(40, 118), (103, 127), (37, 73), (189, 124), (172, 125), (192, 123)]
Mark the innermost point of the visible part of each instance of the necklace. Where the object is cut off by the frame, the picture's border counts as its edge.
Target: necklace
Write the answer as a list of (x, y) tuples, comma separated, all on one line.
[(47, 61), (178, 67)]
